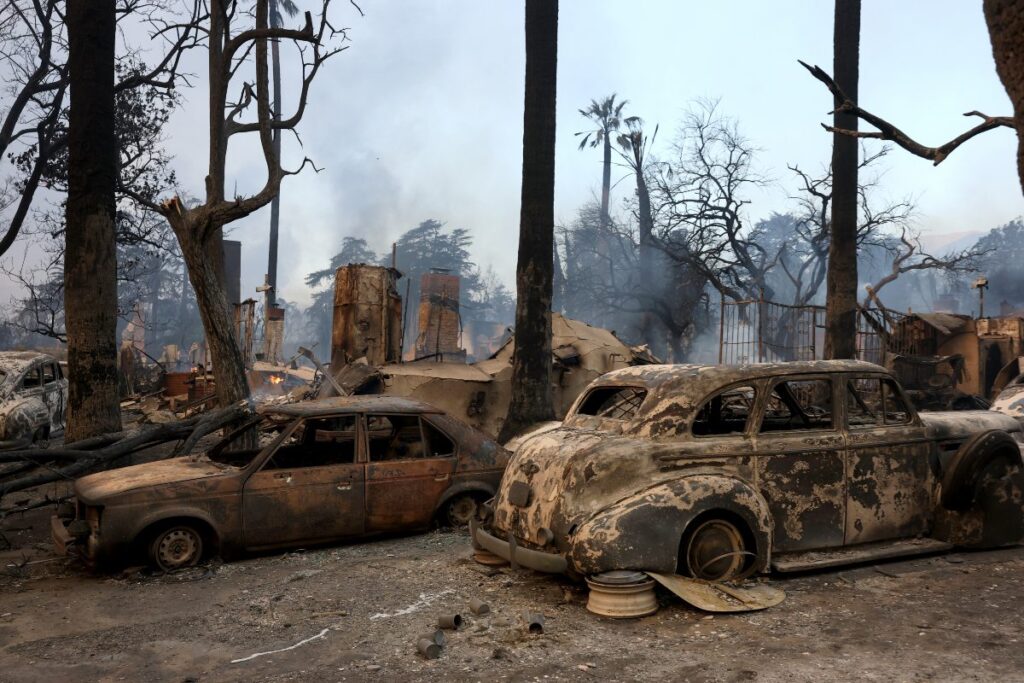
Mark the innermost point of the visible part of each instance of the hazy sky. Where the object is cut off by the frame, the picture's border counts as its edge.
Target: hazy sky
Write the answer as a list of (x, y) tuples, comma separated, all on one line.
[(422, 116)]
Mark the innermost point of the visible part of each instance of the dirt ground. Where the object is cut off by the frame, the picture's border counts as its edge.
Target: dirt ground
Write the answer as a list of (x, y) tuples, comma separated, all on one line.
[(352, 613)]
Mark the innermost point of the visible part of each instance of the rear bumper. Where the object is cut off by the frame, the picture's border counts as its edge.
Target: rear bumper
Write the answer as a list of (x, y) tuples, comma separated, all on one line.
[(550, 563)]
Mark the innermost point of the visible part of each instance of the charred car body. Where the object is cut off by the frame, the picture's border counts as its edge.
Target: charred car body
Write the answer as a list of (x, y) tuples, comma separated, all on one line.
[(718, 472), (33, 397), (333, 469)]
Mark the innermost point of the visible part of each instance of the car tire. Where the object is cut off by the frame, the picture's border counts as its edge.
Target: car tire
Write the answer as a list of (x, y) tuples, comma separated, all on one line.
[(963, 471), (715, 549), (459, 510), (176, 547), (41, 437)]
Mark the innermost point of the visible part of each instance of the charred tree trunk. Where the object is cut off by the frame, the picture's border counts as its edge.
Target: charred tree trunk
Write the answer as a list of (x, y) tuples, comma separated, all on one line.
[(1005, 19), (228, 367), (532, 399), (275, 204), (647, 282), (841, 287), (90, 258)]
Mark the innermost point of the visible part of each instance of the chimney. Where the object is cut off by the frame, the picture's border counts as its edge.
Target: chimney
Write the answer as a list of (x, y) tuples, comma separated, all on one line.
[(440, 326)]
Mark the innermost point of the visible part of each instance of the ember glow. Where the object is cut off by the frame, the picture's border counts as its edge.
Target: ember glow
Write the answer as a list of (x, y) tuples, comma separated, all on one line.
[(275, 379)]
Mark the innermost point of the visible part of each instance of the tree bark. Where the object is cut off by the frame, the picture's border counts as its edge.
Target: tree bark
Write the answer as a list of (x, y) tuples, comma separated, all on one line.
[(841, 286), (228, 366), (1005, 19), (532, 399), (275, 204), (90, 258)]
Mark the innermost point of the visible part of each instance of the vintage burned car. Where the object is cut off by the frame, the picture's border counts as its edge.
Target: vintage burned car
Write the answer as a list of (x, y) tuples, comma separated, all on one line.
[(333, 469), (33, 397), (717, 472)]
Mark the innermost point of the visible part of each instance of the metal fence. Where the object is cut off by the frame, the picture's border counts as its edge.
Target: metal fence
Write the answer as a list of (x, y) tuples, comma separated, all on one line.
[(760, 331)]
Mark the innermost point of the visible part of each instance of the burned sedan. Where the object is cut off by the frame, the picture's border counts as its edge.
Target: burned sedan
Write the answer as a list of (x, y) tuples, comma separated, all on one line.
[(718, 472), (33, 397), (334, 469)]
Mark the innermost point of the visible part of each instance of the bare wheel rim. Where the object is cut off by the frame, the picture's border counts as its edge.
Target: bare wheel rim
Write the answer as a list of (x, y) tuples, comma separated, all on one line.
[(716, 551), (179, 547), (461, 510)]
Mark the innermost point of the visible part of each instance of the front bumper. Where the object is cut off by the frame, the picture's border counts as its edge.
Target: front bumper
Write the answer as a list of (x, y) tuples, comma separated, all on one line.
[(550, 563)]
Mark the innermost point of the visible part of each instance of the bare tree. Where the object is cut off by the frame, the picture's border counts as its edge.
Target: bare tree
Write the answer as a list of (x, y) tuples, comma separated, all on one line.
[(698, 204), (532, 399), (908, 256), (199, 228), (33, 43)]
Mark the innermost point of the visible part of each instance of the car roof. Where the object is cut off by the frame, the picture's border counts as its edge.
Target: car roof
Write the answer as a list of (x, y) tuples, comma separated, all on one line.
[(693, 382), (14, 362), (353, 404)]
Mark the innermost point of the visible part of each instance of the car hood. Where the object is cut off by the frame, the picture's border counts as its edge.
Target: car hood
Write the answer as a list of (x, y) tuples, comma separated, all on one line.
[(95, 488), (954, 424)]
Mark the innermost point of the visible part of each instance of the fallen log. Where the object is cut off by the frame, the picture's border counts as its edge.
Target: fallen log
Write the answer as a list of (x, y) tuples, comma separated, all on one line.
[(84, 461)]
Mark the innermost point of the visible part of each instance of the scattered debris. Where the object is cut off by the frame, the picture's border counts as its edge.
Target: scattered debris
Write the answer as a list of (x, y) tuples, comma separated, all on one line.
[(451, 622), (479, 607), (318, 636)]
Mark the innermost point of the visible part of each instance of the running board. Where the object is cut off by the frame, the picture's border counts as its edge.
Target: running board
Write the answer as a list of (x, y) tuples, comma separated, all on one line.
[(868, 552)]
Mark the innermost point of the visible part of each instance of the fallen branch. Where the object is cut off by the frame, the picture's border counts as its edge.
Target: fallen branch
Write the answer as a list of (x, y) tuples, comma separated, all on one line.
[(85, 461)]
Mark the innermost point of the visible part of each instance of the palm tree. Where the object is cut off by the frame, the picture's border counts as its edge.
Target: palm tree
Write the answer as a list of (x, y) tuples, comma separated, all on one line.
[(841, 280), (607, 115), (532, 399), (276, 21)]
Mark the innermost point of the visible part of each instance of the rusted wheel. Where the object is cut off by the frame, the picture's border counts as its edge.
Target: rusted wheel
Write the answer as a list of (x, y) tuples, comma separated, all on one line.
[(176, 547), (459, 510), (714, 551)]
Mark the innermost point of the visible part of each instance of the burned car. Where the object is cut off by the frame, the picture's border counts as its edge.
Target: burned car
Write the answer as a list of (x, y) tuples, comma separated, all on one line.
[(718, 472), (340, 468), (33, 397)]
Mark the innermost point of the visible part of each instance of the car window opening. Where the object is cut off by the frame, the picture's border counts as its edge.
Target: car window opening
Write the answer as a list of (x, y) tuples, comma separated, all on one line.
[(405, 437), (798, 404), (319, 442), (617, 403), (726, 413)]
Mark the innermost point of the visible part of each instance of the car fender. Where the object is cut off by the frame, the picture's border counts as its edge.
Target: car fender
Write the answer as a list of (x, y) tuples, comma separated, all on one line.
[(160, 514), (472, 485), (643, 532), (21, 417)]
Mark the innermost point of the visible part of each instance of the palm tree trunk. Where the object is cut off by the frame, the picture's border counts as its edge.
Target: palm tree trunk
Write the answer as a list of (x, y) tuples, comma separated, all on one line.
[(841, 287), (90, 256), (532, 399)]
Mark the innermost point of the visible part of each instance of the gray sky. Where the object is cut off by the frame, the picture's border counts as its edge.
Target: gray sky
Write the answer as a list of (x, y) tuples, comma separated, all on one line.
[(422, 116)]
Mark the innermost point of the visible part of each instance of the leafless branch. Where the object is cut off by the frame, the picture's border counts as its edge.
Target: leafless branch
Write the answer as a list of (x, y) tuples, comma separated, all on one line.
[(887, 131)]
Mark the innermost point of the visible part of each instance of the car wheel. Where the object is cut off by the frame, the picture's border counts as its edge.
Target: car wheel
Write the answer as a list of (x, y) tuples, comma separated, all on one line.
[(41, 437), (459, 510), (714, 551), (176, 547)]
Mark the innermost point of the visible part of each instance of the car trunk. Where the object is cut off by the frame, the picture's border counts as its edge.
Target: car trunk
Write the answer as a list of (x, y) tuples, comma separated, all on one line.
[(542, 485)]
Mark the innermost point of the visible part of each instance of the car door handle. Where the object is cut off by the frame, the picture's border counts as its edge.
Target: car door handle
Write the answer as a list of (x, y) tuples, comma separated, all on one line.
[(344, 486), (441, 477), (287, 476)]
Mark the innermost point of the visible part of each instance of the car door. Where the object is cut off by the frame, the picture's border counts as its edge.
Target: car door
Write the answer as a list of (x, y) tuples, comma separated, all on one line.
[(410, 464), (308, 488), (889, 479), (801, 463)]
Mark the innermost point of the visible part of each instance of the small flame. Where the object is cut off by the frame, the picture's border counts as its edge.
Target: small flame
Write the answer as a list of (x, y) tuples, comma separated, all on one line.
[(275, 379)]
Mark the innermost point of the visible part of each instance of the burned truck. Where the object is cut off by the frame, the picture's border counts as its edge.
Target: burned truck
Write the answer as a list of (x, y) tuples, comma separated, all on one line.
[(719, 472)]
